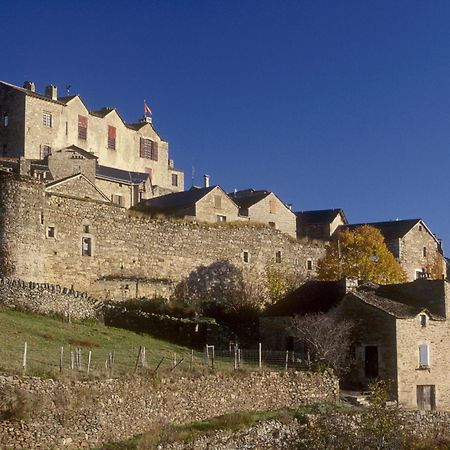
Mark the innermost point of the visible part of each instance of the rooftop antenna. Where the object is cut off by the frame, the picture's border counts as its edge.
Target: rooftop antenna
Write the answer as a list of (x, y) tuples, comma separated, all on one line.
[(68, 89)]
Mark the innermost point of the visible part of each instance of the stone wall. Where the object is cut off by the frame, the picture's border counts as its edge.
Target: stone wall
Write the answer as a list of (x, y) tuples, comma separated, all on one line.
[(85, 414), (132, 255), (48, 299)]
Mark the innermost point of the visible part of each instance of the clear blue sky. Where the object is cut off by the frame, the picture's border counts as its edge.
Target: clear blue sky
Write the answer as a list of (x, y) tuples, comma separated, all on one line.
[(327, 103)]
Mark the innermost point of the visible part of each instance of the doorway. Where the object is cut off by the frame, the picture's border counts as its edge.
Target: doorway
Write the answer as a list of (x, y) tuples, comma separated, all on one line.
[(426, 397), (371, 361)]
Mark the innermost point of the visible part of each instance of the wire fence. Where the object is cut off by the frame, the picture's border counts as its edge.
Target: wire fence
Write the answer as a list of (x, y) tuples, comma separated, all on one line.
[(104, 362)]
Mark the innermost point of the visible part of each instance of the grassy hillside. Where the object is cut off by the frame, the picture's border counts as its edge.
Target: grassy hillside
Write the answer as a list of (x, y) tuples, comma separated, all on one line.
[(45, 337)]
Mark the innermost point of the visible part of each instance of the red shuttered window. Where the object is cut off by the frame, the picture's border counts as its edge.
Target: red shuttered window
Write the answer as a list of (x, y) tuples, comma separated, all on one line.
[(82, 127), (148, 149), (111, 137)]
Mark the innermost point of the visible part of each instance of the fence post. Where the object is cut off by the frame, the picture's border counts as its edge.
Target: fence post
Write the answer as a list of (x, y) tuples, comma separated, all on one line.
[(61, 359), (71, 359), (174, 359), (259, 355), (89, 362), (24, 359), (239, 358), (287, 360), (137, 359), (143, 362), (207, 354), (235, 357), (212, 360), (191, 362)]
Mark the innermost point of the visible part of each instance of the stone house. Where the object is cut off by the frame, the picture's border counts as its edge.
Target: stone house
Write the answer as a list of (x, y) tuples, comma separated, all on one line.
[(265, 207), (34, 126), (208, 204), (413, 244), (319, 224), (401, 334)]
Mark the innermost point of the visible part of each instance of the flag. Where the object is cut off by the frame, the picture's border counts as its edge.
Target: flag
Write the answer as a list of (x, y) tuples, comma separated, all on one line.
[(147, 109)]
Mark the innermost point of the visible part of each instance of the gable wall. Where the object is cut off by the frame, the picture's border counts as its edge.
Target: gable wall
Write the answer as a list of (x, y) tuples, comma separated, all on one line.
[(206, 211), (65, 163), (77, 187)]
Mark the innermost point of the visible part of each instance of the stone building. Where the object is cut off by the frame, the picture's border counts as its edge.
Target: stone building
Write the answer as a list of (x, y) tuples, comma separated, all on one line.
[(265, 207), (401, 333), (319, 224), (34, 126), (413, 244)]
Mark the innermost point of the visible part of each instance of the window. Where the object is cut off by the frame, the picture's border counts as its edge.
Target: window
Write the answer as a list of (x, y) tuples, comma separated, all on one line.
[(272, 225), (217, 202), (51, 232), (85, 228), (45, 151), (67, 128), (5, 120), (42, 218), (278, 257), (148, 149), (47, 119), (86, 246), (272, 206), (424, 356), (420, 227), (111, 137), (424, 252), (309, 264), (174, 179), (221, 218), (245, 256), (82, 127), (420, 273), (117, 199), (423, 320)]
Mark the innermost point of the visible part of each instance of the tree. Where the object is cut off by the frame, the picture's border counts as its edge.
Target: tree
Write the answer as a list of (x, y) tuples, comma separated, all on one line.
[(361, 253), (327, 339)]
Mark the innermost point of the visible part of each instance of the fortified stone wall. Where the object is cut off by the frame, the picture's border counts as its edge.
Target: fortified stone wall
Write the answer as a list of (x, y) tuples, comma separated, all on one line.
[(86, 414)]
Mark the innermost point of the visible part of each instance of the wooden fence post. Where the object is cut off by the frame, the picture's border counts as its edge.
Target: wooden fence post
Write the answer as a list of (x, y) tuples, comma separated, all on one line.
[(89, 362), (259, 355), (24, 358), (61, 359)]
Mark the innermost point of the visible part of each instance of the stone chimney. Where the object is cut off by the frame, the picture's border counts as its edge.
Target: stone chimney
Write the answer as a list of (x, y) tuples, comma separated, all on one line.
[(30, 86), (51, 91), (206, 181)]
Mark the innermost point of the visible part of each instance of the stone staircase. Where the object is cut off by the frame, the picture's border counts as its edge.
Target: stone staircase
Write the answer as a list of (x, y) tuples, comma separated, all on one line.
[(356, 398)]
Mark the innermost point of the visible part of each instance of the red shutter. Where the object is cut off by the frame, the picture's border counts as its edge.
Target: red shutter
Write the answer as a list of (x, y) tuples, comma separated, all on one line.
[(154, 151), (82, 121), (111, 132)]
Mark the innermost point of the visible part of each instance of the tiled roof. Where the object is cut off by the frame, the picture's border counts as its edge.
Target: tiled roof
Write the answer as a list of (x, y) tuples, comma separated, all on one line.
[(319, 216), (122, 176), (391, 230), (178, 200)]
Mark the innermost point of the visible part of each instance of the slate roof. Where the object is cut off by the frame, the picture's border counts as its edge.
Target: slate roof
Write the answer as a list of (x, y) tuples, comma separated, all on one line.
[(79, 150), (178, 200), (248, 197), (122, 176), (319, 216), (312, 297), (391, 230), (31, 93)]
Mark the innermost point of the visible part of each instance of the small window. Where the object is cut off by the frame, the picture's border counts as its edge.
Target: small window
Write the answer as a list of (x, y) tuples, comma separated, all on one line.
[(86, 246), (221, 218), (85, 228), (272, 206), (245, 256), (42, 218), (174, 179), (423, 320), (117, 199), (424, 355), (309, 264), (420, 274), (47, 119), (278, 257), (82, 127), (272, 225), (46, 150), (217, 202), (51, 232), (67, 128), (5, 120), (420, 227), (148, 149), (424, 252), (111, 137)]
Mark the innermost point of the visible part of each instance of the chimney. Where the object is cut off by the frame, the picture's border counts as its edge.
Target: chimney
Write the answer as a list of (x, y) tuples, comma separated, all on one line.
[(30, 86), (206, 180), (51, 91)]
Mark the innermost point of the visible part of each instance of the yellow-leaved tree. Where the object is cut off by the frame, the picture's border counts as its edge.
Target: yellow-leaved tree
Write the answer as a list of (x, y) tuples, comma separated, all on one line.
[(360, 253)]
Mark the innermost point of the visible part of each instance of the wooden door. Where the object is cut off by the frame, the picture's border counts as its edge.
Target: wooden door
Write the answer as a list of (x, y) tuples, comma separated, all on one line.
[(426, 397)]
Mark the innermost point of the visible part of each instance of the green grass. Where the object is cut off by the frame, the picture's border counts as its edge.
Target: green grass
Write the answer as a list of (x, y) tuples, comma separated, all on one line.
[(45, 337)]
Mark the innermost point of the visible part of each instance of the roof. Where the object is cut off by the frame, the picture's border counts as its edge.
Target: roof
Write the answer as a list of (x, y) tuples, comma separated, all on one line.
[(74, 148), (248, 197), (178, 200), (31, 93), (391, 230), (119, 175), (319, 216), (312, 297)]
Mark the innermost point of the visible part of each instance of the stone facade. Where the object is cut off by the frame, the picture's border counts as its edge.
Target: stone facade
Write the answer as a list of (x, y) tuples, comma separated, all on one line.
[(109, 251), (86, 414), (38, 124), (216, 206)]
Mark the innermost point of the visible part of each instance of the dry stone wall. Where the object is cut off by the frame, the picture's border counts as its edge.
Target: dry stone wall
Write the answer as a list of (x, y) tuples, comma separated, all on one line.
[(85, 414), (48, 299)]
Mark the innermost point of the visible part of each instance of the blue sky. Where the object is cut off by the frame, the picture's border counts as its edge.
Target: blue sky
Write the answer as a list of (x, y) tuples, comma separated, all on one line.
[(327, 103)]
